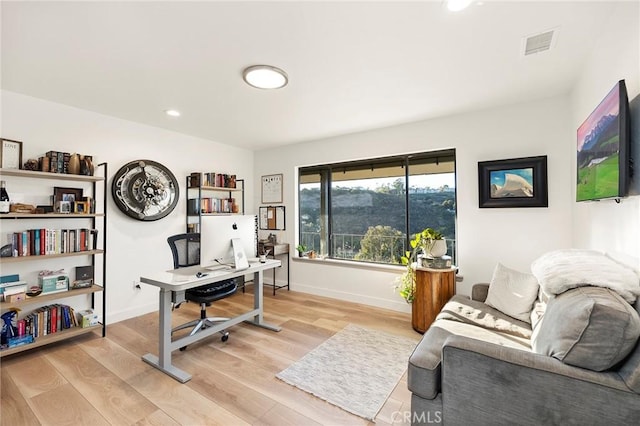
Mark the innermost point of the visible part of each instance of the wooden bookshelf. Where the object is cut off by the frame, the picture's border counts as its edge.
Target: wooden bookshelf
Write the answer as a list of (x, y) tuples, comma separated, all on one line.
[(49, 256), (50, 338), (46, 175), (42, 298)]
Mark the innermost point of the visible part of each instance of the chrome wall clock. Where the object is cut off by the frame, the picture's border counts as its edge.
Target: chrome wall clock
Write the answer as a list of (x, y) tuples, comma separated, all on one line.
[(145, 190)]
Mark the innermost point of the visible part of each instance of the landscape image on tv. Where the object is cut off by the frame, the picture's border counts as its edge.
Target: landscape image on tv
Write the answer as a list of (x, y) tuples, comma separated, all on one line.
[(599, 151)]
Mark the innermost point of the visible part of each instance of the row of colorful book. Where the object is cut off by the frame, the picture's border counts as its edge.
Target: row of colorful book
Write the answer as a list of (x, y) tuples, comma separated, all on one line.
[(218, 180), (211, 205), (38, 242), (47, 320)]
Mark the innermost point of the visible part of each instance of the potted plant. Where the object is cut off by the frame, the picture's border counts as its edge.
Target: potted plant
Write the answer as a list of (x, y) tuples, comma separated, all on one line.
[(302, 249), (433, 243), (422, 242)]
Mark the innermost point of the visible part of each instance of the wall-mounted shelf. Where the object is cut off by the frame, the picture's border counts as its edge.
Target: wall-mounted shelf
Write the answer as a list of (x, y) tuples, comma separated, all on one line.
[(30, 264)]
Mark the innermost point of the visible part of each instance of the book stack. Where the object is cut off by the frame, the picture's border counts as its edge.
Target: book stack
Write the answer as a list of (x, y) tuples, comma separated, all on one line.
[(211, 205), (58, 161), (212, 179), (38, 242), (47, 320)]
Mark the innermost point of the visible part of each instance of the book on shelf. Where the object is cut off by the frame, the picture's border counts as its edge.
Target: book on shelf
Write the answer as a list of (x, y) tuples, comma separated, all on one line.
[(37, 242), (212, 179), (210, 205), (58, 161)]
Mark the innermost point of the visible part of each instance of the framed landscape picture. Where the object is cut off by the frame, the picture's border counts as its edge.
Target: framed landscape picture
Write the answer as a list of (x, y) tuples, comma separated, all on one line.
[(516, 182)]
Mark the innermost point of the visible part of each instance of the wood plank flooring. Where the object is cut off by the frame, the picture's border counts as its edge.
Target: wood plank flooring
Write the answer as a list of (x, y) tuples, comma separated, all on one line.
[(94, 381)]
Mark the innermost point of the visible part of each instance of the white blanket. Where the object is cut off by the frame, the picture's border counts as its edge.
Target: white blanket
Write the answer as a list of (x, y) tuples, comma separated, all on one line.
[(562, 270)]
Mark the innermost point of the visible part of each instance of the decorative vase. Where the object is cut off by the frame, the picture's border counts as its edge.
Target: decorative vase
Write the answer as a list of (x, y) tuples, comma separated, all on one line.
[(437, 248), (73, 168), (86, 165)]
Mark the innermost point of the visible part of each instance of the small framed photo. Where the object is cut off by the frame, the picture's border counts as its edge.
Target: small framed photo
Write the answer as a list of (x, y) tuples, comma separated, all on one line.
[(81, 207), (11, 154), (62, 206), (517, 182), (67, 194)]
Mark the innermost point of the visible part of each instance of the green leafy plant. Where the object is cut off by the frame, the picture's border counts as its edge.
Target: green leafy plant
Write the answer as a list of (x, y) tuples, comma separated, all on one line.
[(421, 242), (301, 249)]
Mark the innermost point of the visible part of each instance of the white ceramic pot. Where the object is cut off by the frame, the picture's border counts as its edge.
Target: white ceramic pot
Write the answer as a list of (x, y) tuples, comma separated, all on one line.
[(437, 248)]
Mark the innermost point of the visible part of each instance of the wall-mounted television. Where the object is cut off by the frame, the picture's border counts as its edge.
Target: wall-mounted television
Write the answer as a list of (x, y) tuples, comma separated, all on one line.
[(603, 149)]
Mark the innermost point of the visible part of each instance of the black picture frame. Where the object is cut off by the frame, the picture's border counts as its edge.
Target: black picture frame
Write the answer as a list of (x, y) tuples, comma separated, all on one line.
[(10, 154), (526, 185), (272, 218), (67, 194)]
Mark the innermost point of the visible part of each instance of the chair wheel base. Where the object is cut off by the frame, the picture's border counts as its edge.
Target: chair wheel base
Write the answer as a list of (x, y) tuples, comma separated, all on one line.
[(225, 337), (184, 348)]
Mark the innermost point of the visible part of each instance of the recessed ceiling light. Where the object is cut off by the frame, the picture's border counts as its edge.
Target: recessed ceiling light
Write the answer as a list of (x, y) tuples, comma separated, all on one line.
[(265, 77), (172, 112), (457, 5)]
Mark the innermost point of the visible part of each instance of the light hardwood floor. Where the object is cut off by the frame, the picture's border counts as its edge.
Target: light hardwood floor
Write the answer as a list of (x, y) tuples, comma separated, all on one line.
[(96, 381)]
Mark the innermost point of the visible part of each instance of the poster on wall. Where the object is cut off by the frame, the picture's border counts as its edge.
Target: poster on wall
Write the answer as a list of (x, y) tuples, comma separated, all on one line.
[(272, 189)]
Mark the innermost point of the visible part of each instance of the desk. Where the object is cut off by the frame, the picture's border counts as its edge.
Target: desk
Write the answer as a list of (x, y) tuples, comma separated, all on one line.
[(276, 250), (173, 285)]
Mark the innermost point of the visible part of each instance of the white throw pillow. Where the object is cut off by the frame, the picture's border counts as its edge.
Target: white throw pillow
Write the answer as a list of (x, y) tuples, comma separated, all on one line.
[(512, 292)]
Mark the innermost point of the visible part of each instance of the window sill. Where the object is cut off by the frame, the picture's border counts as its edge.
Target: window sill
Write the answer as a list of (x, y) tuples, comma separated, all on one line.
[(350, 264), (362, 265)]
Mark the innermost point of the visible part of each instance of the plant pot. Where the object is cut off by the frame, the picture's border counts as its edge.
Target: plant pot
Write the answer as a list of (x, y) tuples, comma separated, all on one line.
[(437, 248)]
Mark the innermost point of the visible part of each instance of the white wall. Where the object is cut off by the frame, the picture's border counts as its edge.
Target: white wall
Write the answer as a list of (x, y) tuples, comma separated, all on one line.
[(512, 236), (133, 246), (605, 225)]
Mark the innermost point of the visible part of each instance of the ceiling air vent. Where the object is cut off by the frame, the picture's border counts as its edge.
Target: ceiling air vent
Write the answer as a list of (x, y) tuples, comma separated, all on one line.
[(540, 42)]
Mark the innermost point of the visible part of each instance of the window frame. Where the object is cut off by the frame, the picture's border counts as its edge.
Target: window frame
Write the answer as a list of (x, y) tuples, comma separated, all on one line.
[(325, 171)]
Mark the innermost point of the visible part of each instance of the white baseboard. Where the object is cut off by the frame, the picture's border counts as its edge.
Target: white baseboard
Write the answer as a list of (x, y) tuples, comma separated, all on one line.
[(117, 316), (400, 305)]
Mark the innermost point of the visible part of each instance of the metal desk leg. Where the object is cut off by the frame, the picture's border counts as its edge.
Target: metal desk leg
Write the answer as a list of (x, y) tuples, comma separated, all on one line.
[(258, 303), (163, 361), (274, 278)]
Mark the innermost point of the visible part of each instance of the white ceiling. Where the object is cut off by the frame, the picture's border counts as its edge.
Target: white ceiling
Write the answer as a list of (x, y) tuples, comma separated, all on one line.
[(352, 66)]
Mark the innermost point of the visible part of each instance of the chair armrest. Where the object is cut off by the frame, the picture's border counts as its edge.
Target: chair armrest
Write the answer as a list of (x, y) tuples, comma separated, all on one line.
[(479, 292), (501, 385)]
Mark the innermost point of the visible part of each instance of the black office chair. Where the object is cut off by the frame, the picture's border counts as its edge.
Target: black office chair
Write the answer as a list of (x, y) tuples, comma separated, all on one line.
[(186, 252)]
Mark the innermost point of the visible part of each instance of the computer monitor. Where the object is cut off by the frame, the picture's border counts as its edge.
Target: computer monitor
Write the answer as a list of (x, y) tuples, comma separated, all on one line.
[(217, 233)]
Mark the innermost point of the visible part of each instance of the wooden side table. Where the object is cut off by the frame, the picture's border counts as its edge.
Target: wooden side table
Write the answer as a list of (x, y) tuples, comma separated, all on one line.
[(434, 288)]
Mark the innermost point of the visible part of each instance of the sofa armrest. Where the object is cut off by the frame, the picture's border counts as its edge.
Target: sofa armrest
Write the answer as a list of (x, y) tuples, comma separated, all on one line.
[(479, 292), (484, 383)]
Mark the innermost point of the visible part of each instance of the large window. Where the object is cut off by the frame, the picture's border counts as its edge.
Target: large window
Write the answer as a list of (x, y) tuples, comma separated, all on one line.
[(367, 210)]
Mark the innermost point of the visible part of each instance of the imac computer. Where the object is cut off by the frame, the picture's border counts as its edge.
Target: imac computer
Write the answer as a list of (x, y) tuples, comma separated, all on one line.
[(228, 241)]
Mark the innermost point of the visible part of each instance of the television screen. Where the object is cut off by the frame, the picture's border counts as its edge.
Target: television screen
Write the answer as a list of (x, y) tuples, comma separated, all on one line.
[(603, 149), (216, 233)]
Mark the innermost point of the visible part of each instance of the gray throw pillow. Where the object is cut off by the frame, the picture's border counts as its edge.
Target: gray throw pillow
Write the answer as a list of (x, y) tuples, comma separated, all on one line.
[(512, 292), (588, 327)]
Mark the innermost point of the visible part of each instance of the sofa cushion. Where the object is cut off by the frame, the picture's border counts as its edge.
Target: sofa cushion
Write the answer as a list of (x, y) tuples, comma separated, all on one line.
[(424, 370), (630, 370), (588, 327), (512, 292), (462, 309)]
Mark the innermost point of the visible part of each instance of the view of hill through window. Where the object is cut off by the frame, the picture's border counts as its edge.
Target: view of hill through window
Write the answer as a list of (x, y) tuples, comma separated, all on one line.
[(369, 216)]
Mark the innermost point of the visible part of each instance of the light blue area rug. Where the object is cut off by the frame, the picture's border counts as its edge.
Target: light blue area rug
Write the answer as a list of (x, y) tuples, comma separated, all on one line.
[(356, 369)]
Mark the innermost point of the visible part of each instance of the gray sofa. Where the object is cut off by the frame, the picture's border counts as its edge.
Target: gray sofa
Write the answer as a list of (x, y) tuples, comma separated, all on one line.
[(476, 365)]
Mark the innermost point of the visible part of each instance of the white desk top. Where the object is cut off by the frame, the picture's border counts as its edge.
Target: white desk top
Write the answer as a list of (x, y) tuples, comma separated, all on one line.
[(185, 278)]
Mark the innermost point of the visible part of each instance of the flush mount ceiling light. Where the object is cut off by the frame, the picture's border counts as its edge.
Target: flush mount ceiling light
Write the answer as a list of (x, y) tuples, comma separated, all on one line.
[(457, 5), (265, 77), (172, 112)]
